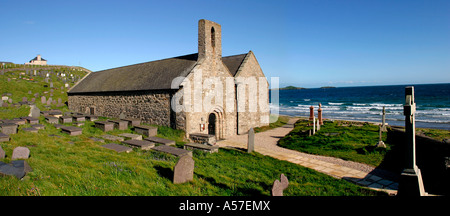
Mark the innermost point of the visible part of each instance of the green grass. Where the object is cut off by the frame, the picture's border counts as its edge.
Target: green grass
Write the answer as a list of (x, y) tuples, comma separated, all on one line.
[(280, 121), (349, 143), (434, 133), (85, 168)]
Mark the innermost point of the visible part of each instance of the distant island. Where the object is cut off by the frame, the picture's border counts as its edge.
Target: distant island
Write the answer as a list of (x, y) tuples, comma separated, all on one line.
[(289, 88), (293, 87)]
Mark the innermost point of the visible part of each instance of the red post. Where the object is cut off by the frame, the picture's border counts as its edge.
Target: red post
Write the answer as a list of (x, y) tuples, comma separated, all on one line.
[(311, 113), (319, 114)]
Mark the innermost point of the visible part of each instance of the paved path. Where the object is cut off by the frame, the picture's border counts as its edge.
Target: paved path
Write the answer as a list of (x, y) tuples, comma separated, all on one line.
[(266, 144)]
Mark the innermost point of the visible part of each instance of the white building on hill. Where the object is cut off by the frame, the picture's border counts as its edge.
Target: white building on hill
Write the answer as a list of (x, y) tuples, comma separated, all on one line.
[(37, 61)]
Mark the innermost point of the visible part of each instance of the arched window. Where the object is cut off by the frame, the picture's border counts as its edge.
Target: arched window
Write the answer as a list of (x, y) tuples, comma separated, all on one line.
[(213, 37)]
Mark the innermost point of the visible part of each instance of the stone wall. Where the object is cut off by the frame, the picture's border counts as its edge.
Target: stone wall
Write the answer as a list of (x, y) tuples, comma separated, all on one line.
[(430, 158), (255, 116), (151, 107)]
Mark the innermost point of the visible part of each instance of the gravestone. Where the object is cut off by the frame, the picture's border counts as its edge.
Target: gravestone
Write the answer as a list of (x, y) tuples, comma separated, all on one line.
[(51, 85), (142, 144), (146, 130), (20, 153), (34, 111), (318, 125), (131, 136), (172, 150), (2, 153), (120, 124), (78, 118), (380, 141), (118, 148), (280, 185), (314, 125), (122, 115), (4, 137), (8, 128), (410, 183), (71, 130), (91, 117), (65, 119), (1, 103), (104, 125), (183, 170), (251, 141), (383, 121), (132, 122), (18, 168), (43, 100), (10, 100), (112, 137), (160, 140), (201, 147), (51, 119)]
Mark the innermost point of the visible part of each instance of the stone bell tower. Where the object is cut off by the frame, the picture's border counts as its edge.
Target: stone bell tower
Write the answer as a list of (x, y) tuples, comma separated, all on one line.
[(209, 40)]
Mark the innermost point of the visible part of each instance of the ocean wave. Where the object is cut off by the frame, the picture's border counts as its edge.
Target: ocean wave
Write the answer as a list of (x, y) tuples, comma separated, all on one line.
[(330, 103), (359, 104), (385, 105)]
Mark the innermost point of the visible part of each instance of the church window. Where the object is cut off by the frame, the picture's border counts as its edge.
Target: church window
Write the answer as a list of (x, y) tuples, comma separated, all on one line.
[(213, 37)]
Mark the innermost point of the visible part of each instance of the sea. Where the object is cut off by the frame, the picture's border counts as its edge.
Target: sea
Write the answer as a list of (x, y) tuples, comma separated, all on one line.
[(366, 104)]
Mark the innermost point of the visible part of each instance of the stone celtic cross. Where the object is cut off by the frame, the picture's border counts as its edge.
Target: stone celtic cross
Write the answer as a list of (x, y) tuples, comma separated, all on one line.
[(411, 183)]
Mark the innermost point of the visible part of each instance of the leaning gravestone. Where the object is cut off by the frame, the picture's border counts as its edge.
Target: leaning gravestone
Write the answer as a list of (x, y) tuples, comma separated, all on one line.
[(18, 168), (20, 153), (2, 153), (183, 170), (280, 185), (251, 141), (122, 115), (34, 111), (43, 100)]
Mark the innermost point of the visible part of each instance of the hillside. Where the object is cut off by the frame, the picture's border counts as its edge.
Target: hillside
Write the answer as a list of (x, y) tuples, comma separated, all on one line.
[(28, 85)]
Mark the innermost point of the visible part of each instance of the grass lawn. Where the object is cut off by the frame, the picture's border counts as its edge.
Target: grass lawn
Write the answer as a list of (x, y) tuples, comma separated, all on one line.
[(280, 121), (75, 165), (352, 142), (347, 140)]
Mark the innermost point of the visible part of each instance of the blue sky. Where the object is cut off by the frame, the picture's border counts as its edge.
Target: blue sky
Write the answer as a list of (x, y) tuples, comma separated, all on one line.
[(305, 43)]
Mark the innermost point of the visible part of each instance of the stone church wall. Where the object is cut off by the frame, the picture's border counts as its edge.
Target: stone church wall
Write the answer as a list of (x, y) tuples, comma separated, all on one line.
[(257, 117), (151, 107)]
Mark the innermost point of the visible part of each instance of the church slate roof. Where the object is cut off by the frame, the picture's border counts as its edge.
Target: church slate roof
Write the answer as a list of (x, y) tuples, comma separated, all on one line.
[(233, 62), (154, 75)]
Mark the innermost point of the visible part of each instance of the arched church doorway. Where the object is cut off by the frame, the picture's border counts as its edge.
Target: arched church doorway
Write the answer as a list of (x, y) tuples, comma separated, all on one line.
[(212, 124)]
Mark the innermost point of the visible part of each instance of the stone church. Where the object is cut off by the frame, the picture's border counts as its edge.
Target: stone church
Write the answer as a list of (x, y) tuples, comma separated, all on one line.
[(198, 93)]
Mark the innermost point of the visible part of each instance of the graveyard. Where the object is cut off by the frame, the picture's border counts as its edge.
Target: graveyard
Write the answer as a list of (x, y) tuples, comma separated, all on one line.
[(70, 153), (67, 154)]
